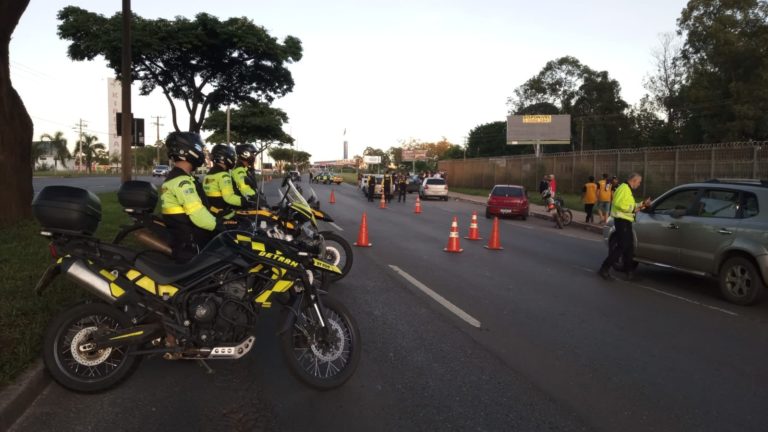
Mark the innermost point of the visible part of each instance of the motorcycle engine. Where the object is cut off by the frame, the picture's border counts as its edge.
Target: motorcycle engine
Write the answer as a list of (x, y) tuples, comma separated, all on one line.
[(221, 316), (311, 239)]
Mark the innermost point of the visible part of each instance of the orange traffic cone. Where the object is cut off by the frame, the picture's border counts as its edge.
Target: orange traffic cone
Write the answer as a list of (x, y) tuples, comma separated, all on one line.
[(333, 197), (417, 209), (474, 233), (494, 243), (362, 235), (453, 238), (383, 202)]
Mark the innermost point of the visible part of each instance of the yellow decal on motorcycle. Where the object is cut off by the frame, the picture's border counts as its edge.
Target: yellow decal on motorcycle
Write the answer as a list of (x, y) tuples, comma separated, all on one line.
[(132, 274), (278, 258), (115, 290), (125, 336), (108, 275), (169, 290), (148, 284), (326, 266), (256, 269)]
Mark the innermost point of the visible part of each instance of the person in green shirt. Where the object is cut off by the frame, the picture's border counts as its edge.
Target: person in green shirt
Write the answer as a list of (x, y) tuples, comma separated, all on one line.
[(218, 182), (623, 213), (246, 156), (182, 200)]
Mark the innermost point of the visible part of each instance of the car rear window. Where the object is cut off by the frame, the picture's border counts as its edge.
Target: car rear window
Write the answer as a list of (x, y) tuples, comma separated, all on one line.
[(507, 191), (435, 181)]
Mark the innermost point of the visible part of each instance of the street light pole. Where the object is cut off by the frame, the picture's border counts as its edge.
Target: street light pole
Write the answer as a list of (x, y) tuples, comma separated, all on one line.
[(125, 72)]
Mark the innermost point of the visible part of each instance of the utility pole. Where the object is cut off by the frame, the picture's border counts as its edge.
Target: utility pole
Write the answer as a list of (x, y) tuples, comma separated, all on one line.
[(125, 83), (79, 126), (157, 141)]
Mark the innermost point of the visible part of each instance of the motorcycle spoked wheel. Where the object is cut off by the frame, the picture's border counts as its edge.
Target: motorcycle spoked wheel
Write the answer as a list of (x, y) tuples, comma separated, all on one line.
[(337, 252), (86, 371), (567, 217), (322, 358), (558, 219)]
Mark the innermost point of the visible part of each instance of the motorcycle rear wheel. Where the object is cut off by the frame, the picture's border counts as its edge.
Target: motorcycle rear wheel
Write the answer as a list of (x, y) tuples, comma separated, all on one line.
[(322, 360), (86, 371)]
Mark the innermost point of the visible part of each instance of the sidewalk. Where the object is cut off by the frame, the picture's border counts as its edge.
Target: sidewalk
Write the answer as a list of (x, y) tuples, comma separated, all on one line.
[(536, 210)]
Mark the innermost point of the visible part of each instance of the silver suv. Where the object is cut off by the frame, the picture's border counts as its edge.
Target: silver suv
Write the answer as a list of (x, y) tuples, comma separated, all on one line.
[(717, 228)]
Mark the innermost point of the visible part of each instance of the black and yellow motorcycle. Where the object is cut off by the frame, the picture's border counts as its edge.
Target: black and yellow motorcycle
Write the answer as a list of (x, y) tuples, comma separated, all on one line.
[(206, 309)]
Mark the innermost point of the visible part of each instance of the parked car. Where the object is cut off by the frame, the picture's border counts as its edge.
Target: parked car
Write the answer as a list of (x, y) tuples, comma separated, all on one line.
[(715, 228), (414, 183), (378, 178), (160, 171), (327, 177), (507, 200), (434, 187)]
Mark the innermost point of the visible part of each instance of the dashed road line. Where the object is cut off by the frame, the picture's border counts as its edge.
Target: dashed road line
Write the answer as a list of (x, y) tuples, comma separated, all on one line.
[(658, 291), (437, 297)]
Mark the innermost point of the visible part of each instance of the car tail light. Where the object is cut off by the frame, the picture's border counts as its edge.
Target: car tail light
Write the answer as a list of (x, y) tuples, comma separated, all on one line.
[(52, 250)]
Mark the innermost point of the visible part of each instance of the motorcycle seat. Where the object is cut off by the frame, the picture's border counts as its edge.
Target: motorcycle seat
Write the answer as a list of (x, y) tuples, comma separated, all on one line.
[(165, 271)]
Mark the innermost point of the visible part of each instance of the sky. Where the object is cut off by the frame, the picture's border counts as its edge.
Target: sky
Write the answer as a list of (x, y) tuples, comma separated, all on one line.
[(386, 71)]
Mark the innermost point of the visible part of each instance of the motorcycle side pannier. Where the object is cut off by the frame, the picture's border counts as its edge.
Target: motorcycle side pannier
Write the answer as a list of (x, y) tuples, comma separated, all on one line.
[(68, 210), (137, 196)]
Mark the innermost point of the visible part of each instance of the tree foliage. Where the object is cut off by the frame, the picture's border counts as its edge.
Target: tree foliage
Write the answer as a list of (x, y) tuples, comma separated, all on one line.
[(58, 147), (284, 156), (206, 63)]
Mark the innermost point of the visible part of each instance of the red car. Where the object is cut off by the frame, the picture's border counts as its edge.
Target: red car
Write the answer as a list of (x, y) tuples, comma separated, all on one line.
[(507, 200)]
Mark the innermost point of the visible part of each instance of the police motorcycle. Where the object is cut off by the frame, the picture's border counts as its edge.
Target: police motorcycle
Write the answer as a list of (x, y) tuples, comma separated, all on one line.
[(205, 309), (294, 220)]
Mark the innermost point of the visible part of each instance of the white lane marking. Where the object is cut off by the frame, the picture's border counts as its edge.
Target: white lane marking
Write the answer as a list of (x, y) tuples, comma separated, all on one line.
[(336, 226), (656, 290), (437, 297), (725, 311)]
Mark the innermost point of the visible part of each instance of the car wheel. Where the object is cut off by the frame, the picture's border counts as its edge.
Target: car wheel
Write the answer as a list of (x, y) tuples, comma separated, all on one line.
[(445, 198), (524, 217), (740, 281)]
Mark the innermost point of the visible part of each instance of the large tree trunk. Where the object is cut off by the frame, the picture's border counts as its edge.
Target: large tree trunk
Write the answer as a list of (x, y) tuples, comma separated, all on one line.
[(16, 129)]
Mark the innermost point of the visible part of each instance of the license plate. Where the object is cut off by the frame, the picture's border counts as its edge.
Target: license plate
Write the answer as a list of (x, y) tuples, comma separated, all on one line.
[(506, 211)]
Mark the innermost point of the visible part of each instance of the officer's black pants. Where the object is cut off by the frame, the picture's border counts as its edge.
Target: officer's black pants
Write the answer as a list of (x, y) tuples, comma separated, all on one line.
[(624, 246), (401, 194)]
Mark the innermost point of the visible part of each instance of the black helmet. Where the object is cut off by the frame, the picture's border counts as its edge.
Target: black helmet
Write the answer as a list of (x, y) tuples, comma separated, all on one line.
[(185, 146), (246, 152), (223, 154)]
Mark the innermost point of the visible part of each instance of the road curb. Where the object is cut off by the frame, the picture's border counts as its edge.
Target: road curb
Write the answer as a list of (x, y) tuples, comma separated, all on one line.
[(19, 395), (597, 229)]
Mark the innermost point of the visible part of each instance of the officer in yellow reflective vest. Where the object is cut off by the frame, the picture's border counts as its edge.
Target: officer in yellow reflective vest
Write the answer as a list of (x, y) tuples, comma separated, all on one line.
[(246, 156), (623, 213), (218, 182), (182, 199)]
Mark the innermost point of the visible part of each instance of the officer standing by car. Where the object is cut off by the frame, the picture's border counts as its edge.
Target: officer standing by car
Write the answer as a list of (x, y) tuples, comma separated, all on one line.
[(623, 213), (182, 199), (402, 184), (386, 186), (371, 187), (218, 182)]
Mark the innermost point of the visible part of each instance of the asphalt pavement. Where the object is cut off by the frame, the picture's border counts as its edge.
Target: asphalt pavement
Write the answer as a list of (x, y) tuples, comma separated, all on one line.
[(527, 338)]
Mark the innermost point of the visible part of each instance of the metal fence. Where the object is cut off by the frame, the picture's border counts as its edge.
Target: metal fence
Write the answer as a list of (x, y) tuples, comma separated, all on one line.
[(661, 167)]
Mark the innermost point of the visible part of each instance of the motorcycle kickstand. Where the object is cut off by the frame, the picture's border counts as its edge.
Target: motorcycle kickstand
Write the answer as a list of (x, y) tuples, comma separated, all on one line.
[(204, 365)]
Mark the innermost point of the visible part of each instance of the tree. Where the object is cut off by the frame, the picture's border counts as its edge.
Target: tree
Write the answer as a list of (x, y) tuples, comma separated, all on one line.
[(490, 139), (666, 82), (256, 123), (385, 158), (556, 84), (281, 156), (58, 147), (601, 110), (16, 129), (205, 62), (726, 58), (88, 149), (38, 150)]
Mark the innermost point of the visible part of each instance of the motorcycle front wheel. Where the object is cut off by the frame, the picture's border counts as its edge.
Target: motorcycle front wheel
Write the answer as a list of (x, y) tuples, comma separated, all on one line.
[(337, 252), (80, 369), (322, 357)]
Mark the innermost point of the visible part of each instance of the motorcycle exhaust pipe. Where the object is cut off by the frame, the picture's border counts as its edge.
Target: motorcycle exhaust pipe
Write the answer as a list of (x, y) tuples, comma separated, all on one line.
[(79, 273), (151, 241)]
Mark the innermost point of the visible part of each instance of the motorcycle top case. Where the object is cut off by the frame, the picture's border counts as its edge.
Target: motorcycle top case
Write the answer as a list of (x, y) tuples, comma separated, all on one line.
[(138, 196), (67, 210)]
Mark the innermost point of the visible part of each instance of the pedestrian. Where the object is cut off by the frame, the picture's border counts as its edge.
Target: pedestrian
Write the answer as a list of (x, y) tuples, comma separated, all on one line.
[(310, 176), (546, 192), (623, 212), (402, 184), (589, 197), (371, 187), (387, 187), (552, 184), (603, 199)]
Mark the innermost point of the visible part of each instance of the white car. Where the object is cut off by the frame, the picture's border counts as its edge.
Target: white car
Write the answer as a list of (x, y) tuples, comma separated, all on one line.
[(434, 187), (160, 171)]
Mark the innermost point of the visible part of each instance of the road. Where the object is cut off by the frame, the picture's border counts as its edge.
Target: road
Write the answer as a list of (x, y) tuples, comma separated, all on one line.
[(548, 345)]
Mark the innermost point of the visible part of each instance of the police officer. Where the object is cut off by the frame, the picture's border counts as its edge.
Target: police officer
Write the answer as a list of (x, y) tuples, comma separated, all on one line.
[(182, 199), (402, 183), (386, 186), (218, 182), (623, 212), (244, 175), (371, 187)]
